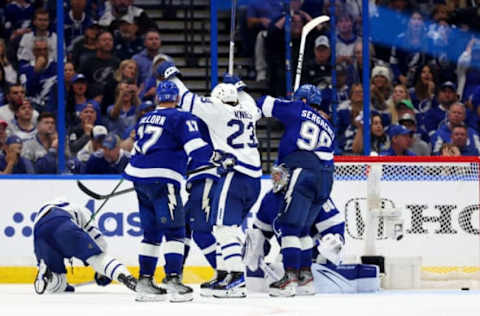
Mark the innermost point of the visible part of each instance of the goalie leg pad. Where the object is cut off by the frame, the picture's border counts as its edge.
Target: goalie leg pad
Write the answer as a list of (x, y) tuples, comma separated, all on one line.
[(348, 278), (254, 246)]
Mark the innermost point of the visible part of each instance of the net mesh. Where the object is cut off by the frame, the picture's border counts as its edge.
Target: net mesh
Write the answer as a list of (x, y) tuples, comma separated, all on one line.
[(439, 203)]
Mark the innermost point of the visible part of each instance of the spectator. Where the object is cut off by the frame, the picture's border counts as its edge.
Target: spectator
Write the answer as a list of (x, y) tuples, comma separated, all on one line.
[(42, 149), (449, 150), (400, 142), (355, 70), (41, 23), (39, 77), (150, 85), (442, 40), (318, 71), (343, 88), (399, 93), (460, 140), (3, 133), (436, 114), (116, 10), (381, 90), (350, 109), (76, 97), (22, 125), (127, 72), (15, 98), (80, 134), (18, 15), (85, 46), (408, 55), (379, 141), (11, 160), (423, 92), (417, 145), (121, 114), (128, 137), (144, 59), (94, 105), (10, 74), (111, 159), (127, 42), (99, 68), (346, 39), (97, 136), (69, 74), (468, 70), (76, 22), (455, 116)]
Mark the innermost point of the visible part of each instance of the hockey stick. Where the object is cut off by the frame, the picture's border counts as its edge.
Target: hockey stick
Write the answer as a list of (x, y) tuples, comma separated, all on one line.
[(104, 201), (232, 37), (266, 268), (98, 196), (306, 29)]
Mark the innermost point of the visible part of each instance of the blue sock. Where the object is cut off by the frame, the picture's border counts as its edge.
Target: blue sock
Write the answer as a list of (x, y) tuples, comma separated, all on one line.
[(291, 258), (173, 263), (147, 265), (186, 251), (306, 258), (207, 244)]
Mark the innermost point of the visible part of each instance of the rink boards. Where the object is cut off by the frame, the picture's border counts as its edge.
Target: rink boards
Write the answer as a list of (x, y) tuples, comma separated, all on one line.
[(441, 223)]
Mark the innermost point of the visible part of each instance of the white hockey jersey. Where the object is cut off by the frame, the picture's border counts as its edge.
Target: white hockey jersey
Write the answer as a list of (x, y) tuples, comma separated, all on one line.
[(231, 128)]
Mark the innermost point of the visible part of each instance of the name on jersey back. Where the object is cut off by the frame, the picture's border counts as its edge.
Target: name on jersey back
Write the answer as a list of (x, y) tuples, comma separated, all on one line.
[(242, 115), (317, 119), (153, 119)]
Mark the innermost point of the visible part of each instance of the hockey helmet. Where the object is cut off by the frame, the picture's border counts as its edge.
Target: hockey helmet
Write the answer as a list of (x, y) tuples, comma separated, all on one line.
[(167, 91), (225, 92), (313, 97)]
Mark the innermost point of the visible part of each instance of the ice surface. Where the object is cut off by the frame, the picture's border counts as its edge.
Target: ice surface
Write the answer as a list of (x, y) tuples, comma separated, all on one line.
[(115, 300)]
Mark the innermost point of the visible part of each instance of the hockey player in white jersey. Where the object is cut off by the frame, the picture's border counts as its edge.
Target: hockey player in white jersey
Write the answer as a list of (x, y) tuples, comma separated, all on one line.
[(62, 231), (230, 115)]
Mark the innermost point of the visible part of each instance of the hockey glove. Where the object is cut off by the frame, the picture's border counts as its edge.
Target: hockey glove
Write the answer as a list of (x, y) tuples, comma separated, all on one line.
[(167, 70), (235, 80), (224, 161), (102, 280), (330, 248)]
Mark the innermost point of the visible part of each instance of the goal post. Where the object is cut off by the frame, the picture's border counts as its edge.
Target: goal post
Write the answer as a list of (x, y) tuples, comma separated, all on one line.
[(435, 201)]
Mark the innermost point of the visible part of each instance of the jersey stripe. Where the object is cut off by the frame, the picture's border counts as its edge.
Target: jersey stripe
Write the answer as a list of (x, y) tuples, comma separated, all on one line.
[(143, 173), (193, 145), (267, 106)]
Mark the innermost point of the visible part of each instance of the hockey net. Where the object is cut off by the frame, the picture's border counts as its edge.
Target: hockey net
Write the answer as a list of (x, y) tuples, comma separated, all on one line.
[(438, 202)]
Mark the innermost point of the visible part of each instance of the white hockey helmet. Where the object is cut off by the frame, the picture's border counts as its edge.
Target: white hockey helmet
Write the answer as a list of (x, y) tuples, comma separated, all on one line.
[(225, 92)]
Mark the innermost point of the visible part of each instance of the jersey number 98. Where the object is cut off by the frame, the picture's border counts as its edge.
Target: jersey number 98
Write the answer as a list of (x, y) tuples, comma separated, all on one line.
[(311, 137)]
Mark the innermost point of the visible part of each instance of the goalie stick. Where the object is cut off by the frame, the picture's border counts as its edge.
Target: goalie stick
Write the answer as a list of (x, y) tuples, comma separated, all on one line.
[(306, 29), (98, 196)]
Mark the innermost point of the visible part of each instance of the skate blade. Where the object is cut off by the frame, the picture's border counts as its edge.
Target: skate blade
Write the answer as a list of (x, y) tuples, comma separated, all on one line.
[(230, 293), (179, 298), (145, 297), (286, 292)]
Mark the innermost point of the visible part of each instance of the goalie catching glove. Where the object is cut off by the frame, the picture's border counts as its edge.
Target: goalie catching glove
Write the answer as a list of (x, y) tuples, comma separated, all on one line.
[(330, 248)]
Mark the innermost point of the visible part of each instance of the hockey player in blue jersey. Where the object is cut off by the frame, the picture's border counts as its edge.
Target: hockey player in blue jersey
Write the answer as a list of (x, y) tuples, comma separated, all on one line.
[(63, 230), (306, 150), (165, 139), (230, 115)]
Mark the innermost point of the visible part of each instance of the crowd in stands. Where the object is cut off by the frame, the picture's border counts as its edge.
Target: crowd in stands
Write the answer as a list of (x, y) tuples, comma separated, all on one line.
[(424, 66)]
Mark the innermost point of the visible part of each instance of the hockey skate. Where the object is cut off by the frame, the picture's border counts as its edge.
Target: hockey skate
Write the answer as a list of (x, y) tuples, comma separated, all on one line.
[(128, 280), (285, 287), (232, 286), (44, 275), (305, 282), (206, 288), (178, 291), (148, 291)]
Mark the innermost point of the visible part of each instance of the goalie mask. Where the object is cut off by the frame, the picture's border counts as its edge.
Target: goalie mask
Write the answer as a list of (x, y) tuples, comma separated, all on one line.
[(226, 92), (280, 178)]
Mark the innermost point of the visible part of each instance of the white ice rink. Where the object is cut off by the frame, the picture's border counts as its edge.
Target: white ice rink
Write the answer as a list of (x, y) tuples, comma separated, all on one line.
[(114, 300)]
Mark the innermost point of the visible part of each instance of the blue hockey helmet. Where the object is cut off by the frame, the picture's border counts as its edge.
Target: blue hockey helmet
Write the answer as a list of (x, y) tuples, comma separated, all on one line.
[(167, 91), (313, 97)]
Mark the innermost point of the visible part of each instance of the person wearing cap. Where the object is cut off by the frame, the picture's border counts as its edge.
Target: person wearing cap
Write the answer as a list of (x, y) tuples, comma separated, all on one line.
[(144, 59), (80, 134), (22, 125), (11, 160), (468, 71), (381, 88), (447, 95), (39, 75), (400, 138), (417, 145), (318, 70), (42, 149), (455, 116), (15, 98), (98, 133), (109, 159), (126, 38), (76, 96), (76, 22), (121, 114)]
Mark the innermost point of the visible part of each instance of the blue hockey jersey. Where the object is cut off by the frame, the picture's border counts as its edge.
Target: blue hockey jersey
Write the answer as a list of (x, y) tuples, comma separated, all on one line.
[(305, 129), (164, 140)]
